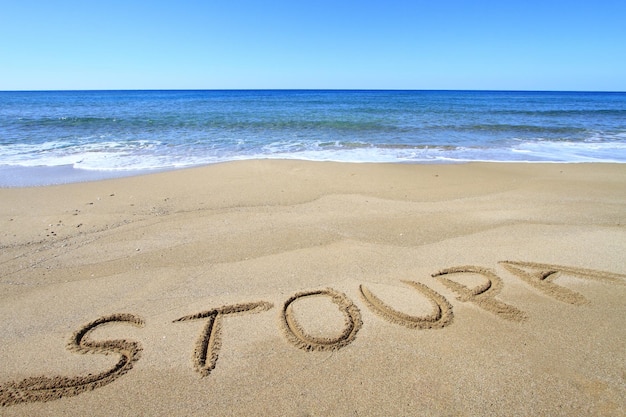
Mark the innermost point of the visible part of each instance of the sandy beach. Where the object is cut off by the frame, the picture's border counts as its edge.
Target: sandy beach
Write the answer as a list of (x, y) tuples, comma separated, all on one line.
[(312, 288)]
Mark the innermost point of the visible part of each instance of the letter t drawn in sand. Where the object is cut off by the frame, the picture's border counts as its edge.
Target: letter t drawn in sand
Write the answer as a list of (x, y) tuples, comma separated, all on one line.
[(209, 343)]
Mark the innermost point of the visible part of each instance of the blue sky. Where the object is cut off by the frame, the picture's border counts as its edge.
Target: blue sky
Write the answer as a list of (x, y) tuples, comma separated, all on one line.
[(207, 44)]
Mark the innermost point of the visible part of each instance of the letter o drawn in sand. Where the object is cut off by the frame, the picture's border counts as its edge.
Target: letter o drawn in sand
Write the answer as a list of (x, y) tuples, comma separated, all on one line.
[(44, 388), (441, 316), (297, 335)]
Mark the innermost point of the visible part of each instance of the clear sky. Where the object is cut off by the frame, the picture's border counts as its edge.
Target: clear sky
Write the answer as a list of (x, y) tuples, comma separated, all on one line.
[(243, 44)]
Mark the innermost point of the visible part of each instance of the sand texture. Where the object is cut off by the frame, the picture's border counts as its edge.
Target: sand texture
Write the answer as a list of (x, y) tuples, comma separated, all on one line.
[(308, 288)]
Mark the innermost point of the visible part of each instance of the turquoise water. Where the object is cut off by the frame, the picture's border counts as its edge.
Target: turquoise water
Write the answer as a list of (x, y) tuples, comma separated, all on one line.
[(51, 137)]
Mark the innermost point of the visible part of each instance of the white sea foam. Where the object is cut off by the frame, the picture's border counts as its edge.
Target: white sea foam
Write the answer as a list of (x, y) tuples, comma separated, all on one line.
[(572, 151), (151, 155)]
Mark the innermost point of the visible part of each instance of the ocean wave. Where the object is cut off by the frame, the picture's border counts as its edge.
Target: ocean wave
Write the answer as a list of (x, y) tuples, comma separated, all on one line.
[(136, 131), (151, 155), (562, 112)]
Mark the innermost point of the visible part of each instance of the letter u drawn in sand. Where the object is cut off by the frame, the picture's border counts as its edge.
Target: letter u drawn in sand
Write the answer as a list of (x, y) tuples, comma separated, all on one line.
[(441, 316)]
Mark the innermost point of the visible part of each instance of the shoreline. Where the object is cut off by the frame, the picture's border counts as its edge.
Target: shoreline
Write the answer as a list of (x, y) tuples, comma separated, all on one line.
[(44, 176), (332, 288)]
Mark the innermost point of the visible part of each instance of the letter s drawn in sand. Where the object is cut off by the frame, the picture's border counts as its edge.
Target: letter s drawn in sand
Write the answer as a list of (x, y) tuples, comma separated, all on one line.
[(441, 316), (44, 388), (482, 295), (208, 346), (297, 335)]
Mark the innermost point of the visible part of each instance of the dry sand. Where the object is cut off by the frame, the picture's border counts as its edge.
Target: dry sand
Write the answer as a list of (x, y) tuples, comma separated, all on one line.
[(299, 288)]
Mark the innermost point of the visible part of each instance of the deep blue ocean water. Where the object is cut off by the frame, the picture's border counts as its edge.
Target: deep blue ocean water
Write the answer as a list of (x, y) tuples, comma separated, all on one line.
[(66, 136)]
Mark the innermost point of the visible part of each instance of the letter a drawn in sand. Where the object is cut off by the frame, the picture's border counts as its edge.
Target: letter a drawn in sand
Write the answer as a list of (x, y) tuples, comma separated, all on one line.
[(209, 343), (44, 388), (482, 295), (297, 335), (541, 277), (441, 316)]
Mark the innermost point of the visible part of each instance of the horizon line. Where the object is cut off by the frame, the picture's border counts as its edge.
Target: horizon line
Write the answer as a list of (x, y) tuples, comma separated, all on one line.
[(310, 89)]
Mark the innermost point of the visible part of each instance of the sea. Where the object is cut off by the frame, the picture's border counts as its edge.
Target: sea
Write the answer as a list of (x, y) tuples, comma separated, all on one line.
[(52, 137)]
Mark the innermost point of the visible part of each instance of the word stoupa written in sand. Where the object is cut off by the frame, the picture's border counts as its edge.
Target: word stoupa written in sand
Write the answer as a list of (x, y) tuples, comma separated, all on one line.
[(206, 351)]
